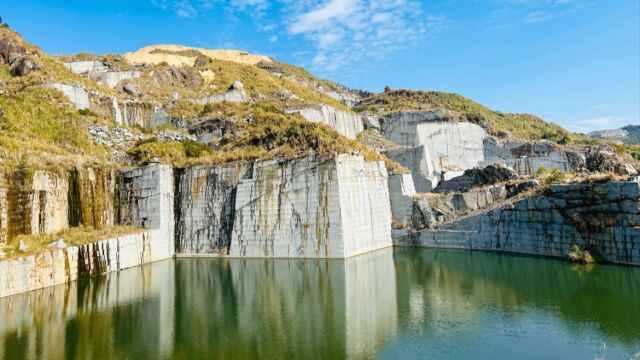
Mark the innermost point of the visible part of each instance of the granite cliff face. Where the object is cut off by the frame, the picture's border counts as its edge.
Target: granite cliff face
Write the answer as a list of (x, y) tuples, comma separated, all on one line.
[(600, 217)]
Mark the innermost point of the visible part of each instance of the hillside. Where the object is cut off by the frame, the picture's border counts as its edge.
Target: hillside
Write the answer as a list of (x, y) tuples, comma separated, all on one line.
[(186, 106), (520, 126), (629, 134)]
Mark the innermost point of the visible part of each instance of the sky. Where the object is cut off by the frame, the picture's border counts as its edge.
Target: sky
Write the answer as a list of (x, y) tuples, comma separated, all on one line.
[(573, 62)]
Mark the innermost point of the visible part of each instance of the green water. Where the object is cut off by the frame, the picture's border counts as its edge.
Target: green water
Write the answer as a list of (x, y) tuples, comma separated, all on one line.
[(392, 304)]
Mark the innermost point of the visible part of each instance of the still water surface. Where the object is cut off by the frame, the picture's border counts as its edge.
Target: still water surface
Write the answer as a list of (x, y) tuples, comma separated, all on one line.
[(391, 304)]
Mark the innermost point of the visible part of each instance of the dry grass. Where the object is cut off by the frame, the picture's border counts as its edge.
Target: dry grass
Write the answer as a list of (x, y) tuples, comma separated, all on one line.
[(179, 55), (264, 133), (520, 126), (72, 237)]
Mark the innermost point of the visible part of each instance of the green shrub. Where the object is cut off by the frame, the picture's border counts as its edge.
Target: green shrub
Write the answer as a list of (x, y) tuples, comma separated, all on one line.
[(194, 149)]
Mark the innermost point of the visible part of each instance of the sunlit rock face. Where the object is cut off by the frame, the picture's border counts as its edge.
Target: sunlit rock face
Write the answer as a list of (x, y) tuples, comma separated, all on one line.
[(345, 122), (401, 192), (145, 200), (603, 217), (205, 208), (97, 71), (526, 158), (312, 208), (450, 146), (44, 202)]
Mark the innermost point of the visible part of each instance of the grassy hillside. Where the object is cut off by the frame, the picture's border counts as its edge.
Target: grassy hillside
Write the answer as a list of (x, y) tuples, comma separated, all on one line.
[(521, 126), (269, 133)]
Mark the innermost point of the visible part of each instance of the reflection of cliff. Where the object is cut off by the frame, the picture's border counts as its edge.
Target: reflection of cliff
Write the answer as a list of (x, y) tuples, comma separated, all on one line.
[(286, 308), (114, 316), (225, 308), (454, 283)]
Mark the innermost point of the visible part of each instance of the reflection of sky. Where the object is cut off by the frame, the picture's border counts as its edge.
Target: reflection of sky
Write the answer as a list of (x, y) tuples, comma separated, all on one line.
[(405, 303)]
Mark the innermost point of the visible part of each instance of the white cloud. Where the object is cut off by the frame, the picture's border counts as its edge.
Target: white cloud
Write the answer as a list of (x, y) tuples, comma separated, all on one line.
[(323, 16), (342, 34), (537, 16)]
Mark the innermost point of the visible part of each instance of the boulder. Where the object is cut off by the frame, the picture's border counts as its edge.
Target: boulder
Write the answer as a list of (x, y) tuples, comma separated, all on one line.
[(11, 50), (23, 66), (130, 89), (605, 159), (237, 85), (477, 176), (14, 54), (285, 94), (22, 247), (202, 60)]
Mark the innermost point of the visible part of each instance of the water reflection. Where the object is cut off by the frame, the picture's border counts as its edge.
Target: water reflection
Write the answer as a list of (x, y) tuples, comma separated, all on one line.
[(392, 303)]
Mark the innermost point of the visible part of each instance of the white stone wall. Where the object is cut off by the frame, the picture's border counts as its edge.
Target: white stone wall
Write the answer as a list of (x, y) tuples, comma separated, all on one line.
[(145, 115), (76, 94), (49, 203), (59, 266), (418, 160), (525, 158), (206, 197), (302, 208), (450, 146), (82, 67), (147, 201), (364, 205), (235, 95), (453, 146), (346, 123), (401, 191), (113, 78)]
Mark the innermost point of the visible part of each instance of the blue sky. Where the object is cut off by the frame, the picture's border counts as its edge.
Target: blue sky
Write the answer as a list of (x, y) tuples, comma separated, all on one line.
[(574, 62)]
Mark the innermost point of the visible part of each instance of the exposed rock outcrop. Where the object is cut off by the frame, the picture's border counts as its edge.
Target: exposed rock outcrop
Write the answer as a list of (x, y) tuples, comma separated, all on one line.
[(526, 158), (600, 217), (234, 94), (14, 54), (318, 208), (346, 123), (436, 143), (477, 176), (604, 159)]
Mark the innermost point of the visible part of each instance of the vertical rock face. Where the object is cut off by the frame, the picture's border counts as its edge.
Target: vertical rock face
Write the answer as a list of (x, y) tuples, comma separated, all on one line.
[(44, 202), (312, 208), (418, 159), (346, 123), (97, 71), (526, 158), (205, 207), (450, 146), (112, 78), (146, 200), (144, 115), (401, 191), (49, 208), (83, 67), (602, 217), (76, 94)]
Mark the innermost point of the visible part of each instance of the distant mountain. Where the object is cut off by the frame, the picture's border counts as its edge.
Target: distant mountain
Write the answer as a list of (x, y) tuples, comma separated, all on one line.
[(629, 134)]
